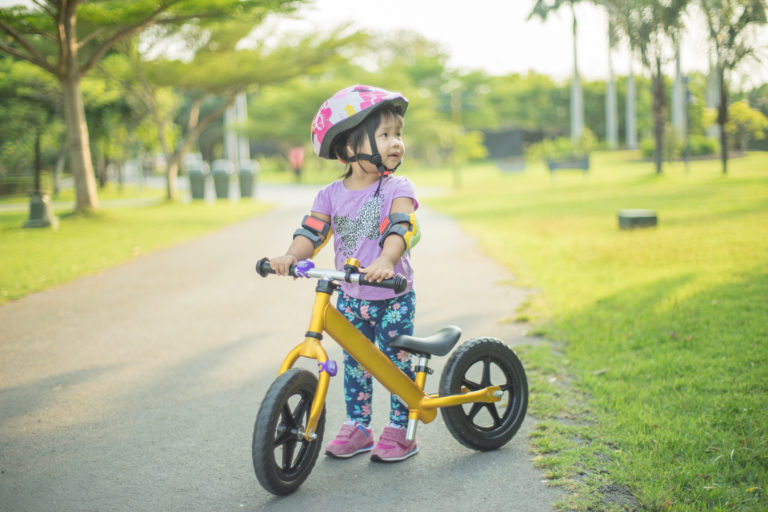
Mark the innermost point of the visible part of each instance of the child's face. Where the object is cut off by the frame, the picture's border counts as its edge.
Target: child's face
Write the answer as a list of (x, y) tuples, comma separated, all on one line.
[(389, 141)]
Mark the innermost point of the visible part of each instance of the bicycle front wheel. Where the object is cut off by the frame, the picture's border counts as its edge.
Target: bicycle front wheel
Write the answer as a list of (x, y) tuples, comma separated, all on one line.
[(477, 364), (282, 458)]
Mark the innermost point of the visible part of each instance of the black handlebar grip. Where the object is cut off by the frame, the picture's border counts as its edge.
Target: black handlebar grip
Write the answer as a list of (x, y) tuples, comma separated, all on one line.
[(398, 283), (263, 267)]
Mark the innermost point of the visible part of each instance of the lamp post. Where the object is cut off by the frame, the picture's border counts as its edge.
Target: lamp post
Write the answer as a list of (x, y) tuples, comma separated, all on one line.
[(40, 211)]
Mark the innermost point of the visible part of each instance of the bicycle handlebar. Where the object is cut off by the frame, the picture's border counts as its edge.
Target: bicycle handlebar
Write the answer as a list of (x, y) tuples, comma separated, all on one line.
[(398, 283)]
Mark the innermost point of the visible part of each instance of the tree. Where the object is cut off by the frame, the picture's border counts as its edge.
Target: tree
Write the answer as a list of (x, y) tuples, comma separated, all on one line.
[(224, 67), (67, 38), (29, 104), (611, 99), (542, 8), (399, 61), (728, 22), (618, 22), (652, 26), (533, 102), (745, 122)]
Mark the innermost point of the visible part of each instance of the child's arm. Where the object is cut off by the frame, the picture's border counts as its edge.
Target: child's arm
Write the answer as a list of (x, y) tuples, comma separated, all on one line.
[(301, 248), (393, 248)]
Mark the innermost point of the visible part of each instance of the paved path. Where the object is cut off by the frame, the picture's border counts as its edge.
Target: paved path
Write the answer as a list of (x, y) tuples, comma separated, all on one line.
[(136, 389)]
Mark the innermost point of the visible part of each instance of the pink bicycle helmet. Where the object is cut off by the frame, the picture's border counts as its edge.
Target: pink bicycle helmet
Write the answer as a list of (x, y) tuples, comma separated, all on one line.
[(345, 110)]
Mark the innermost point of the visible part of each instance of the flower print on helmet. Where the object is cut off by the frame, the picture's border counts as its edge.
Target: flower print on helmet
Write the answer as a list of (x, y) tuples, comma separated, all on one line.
[(345, 110)]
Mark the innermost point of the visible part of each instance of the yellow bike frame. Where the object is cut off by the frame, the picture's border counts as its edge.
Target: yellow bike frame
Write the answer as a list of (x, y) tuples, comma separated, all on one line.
[(325, 318)]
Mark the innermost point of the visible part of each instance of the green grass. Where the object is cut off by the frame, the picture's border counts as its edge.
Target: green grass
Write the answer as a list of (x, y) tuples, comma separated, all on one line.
[(109, 192), (34, 259), (654, 391)]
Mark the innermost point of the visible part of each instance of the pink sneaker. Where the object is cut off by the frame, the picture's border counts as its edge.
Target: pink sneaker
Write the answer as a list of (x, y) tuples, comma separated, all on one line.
[(393, 447), (353, 438)]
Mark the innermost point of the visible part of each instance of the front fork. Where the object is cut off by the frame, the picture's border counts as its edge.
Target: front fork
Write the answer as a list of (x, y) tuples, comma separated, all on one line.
[(312, 349)]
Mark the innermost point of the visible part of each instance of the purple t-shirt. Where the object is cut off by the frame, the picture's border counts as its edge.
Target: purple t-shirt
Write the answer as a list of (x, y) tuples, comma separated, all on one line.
[(355, 219)]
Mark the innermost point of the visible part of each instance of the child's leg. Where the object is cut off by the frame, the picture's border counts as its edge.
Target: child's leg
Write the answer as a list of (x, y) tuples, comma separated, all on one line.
[(358, 383), (395, 320)]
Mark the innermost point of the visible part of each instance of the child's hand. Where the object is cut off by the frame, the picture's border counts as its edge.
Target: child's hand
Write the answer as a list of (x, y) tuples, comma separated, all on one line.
[(381, 268), (282, 264)]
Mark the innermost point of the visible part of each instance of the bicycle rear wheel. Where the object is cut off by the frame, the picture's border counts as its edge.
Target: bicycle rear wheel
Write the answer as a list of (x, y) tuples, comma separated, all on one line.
[(477, 364), (282, 458)]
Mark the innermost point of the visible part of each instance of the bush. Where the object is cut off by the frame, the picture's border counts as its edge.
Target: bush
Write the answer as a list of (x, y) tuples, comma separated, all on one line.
[(674, 147), (701, 145), (646, 147), (562, 148)]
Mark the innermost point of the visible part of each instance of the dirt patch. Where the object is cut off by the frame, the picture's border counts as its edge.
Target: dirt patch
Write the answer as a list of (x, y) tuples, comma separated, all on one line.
[(620, 497)]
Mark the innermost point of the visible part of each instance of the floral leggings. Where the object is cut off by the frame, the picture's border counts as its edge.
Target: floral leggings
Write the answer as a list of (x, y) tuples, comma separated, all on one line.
[(379, 321)]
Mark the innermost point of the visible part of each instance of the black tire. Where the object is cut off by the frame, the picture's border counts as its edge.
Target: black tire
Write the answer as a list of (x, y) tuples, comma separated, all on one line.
[(282, 458), (476, 364)]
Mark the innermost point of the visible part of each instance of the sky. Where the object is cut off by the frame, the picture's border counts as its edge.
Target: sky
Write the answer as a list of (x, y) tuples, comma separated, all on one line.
[(495, 35)]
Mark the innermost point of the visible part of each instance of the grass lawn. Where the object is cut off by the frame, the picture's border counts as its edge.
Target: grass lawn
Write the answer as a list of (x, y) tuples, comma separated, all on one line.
[(34, 259), (109, 192), (653, 394)]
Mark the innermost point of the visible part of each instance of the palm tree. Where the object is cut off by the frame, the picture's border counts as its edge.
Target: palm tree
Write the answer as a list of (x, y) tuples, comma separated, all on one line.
[(652, 27), (542, 9), (728, 21), (617, 23), (611, 103)]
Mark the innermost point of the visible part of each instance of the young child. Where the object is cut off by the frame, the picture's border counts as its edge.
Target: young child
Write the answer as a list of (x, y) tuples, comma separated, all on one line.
[(371, 213)]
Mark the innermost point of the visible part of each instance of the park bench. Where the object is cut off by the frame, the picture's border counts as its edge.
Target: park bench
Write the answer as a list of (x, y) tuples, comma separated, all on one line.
[(571, 162)]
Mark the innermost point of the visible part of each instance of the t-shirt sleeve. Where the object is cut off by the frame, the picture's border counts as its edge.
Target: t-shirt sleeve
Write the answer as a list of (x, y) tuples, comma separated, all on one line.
[(405, 188), (322, 203)]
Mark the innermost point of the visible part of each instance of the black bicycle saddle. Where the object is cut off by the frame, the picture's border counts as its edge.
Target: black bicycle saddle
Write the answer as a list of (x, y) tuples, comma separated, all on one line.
[(438, 344)]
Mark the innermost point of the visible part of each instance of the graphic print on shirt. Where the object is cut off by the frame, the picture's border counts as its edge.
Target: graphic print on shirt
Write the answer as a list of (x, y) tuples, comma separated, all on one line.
[(365, 225)]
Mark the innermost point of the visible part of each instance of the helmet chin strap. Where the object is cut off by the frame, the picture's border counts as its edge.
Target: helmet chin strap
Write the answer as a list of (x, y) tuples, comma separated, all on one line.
[(375, 158)]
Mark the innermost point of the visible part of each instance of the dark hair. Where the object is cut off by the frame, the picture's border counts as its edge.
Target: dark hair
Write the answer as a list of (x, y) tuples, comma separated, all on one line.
[(359, 133)]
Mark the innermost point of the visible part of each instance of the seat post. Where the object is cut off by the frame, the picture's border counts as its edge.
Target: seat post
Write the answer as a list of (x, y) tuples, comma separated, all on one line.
[(421, 370)]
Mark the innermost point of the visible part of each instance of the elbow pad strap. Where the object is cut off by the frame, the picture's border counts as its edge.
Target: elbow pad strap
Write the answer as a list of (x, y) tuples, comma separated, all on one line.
[(316, 230), (393, 225)]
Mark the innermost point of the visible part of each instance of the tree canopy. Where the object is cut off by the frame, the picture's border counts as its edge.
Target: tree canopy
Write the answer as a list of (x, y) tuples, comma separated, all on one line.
[(69, 38)]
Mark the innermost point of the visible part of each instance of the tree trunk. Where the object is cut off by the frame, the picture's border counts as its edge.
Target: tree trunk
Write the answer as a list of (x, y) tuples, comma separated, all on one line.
[(38, 163), (172, 177), (631, 114), (659, 114), (611, 102), (722, 118), (577, 101), (79, 146), (86, 198), (678, 97), (60, 160)]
